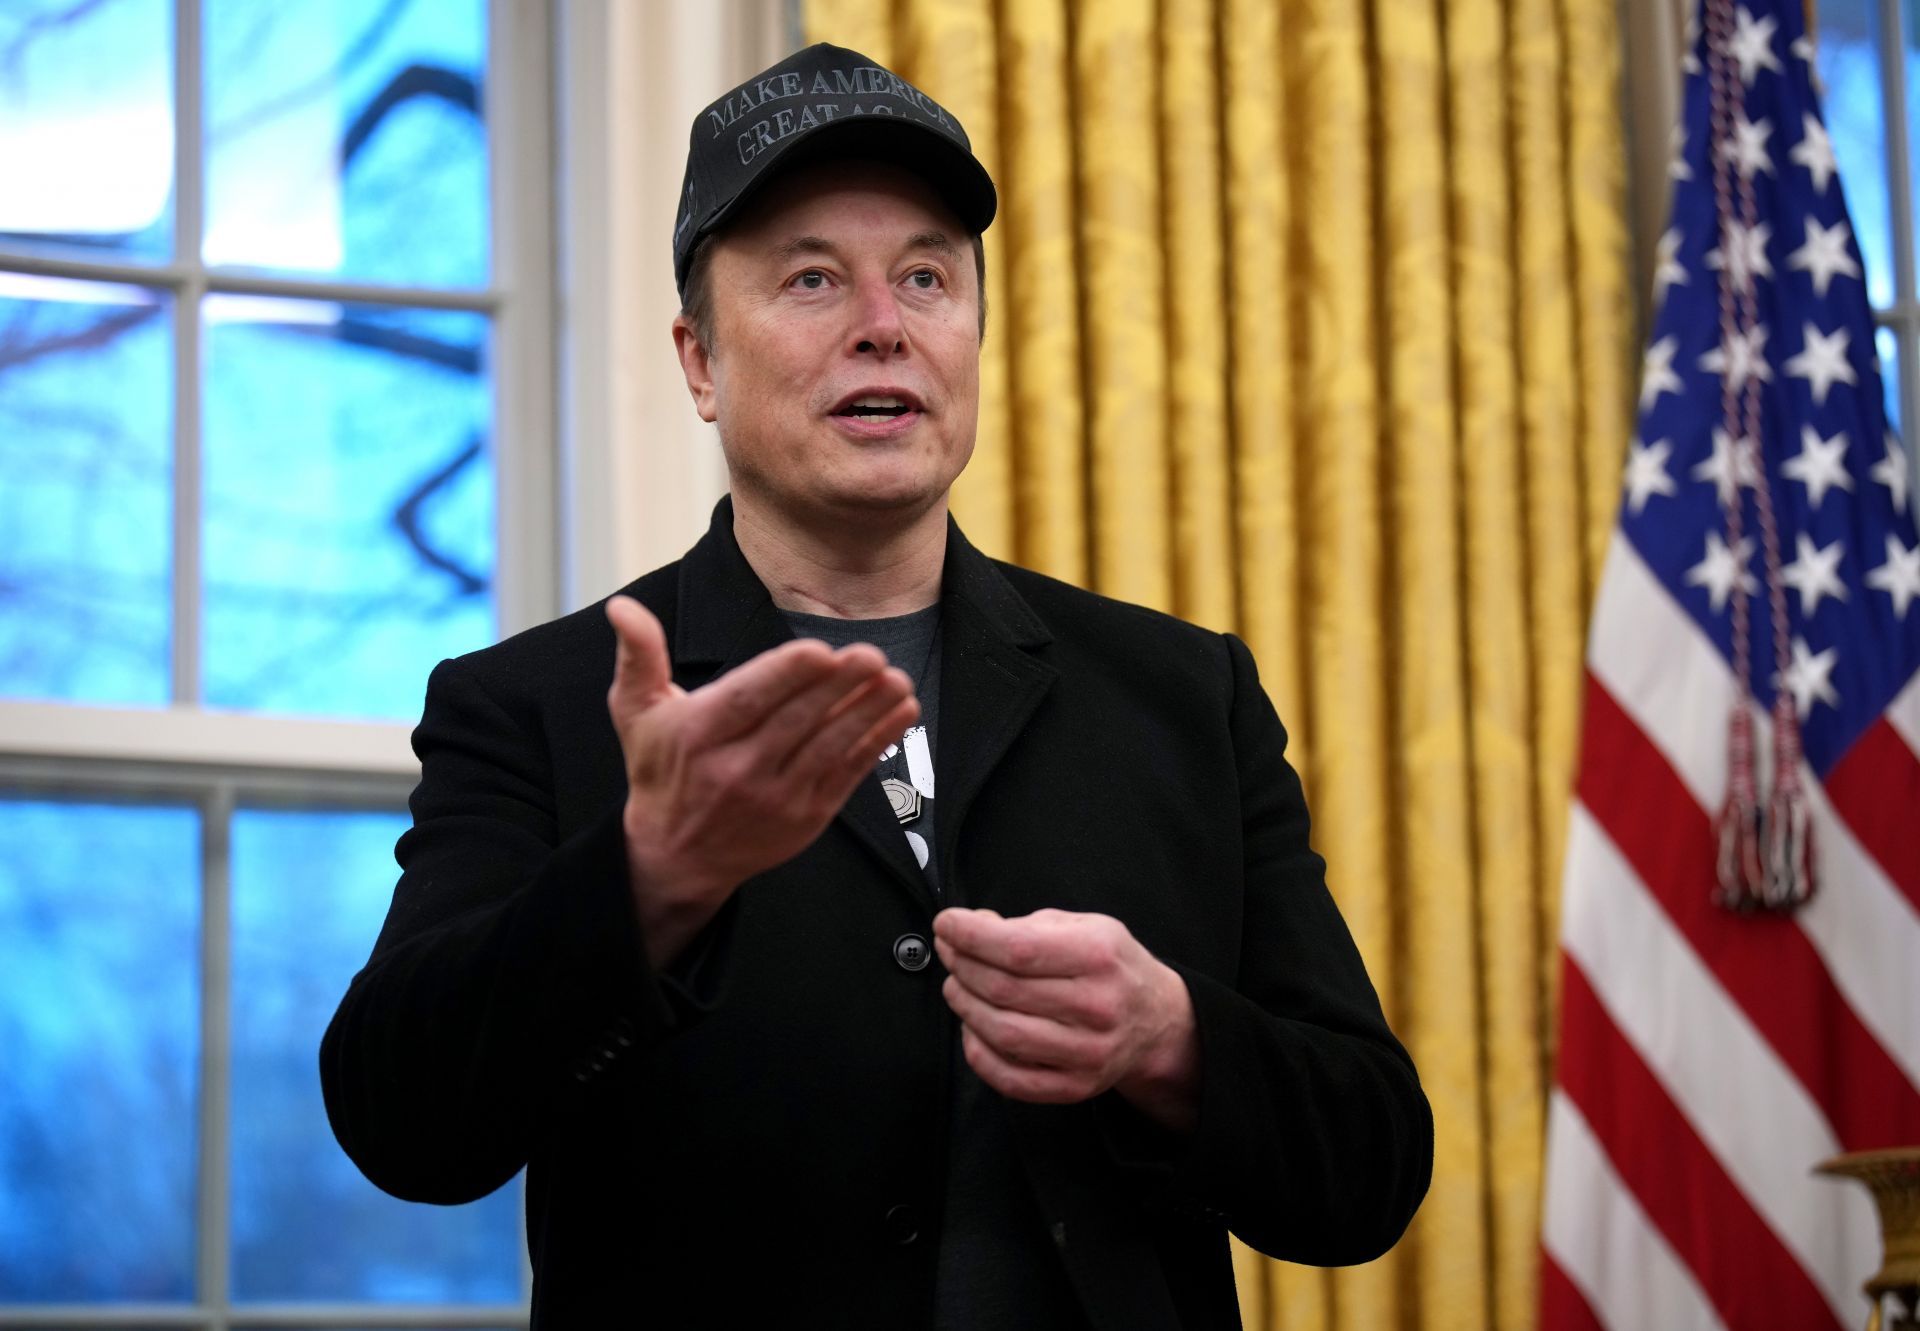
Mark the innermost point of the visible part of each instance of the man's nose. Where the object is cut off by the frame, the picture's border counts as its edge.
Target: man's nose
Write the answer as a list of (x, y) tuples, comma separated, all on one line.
[(878, 328)]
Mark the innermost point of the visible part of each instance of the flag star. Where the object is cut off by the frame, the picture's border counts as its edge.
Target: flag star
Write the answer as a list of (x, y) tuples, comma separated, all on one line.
[(1742, 358), (1656, 374), (1749, 253), (1820, 464), (1899, 577), (1823, 362), (1891, 471), (1733, 463), (1815, 151), (1722, 568), (1748, 146), (1810, 677), (1815, 573), (1823, 254), (1677, 166), (1647, 473), (1803, 48), (1668, 270), (1752, 45)]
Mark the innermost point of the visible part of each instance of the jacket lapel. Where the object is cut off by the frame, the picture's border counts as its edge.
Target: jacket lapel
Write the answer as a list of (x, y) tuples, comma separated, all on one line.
[(990, 683)]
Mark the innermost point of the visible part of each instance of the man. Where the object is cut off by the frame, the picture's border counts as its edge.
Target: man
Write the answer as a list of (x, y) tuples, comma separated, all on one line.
[(785, 1031)]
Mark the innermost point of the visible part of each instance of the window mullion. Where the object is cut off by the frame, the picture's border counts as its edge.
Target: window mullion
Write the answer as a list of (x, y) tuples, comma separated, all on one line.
[(216, 1054), (189, 196), (1893, 87)]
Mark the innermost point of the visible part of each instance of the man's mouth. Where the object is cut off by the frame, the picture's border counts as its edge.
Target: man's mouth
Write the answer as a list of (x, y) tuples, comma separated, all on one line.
[(876, 407)]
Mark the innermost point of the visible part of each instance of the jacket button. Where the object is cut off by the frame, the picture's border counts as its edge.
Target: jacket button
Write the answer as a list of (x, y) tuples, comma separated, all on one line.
[(903, 1224), (912, 952)]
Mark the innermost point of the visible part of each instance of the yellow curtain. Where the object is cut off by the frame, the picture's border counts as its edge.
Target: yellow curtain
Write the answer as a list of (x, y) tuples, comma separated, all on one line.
[(1310, 321)]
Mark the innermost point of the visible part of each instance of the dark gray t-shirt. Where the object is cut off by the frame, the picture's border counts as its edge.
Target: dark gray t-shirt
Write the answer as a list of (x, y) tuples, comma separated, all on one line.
[(911, 642)]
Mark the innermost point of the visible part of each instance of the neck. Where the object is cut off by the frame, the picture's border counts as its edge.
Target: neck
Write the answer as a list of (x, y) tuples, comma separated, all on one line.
[(846, 570)]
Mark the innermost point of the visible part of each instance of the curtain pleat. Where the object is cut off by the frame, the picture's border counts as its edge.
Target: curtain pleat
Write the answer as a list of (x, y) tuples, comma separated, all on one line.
[(1260, 347), (1117, 152), (1197, 296), (1549, 417), (1431, 834), (1512, 877), (1309, 322), (1040, 324), (1343, 570), (1603, 295)]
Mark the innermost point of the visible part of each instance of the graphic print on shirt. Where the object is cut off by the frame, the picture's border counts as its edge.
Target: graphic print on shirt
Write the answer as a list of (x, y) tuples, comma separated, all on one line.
[(909, 785)]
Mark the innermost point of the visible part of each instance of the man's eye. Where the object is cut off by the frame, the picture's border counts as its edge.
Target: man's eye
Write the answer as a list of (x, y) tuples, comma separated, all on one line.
[(812, 280), (925, 278)]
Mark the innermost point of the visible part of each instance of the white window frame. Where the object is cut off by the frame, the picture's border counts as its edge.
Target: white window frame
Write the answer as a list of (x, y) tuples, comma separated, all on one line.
[(604, 471), (216, 760)]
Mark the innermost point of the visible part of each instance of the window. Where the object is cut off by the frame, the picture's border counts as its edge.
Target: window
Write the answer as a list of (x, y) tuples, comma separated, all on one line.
[(275, 438), (1867, 53)]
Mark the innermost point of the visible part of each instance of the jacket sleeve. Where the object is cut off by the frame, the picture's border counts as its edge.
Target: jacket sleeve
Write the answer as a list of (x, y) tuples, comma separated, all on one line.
[(509, 975), (1314, 1140)]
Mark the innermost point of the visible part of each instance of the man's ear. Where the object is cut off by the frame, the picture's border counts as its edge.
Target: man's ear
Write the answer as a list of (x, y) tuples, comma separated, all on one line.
[(696, 362)]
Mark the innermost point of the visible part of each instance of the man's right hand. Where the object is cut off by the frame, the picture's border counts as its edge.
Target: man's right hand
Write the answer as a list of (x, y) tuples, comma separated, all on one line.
[(743, 773)]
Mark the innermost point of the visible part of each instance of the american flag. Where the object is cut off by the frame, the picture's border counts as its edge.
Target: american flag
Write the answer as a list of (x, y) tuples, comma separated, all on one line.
[(1710, 1057)]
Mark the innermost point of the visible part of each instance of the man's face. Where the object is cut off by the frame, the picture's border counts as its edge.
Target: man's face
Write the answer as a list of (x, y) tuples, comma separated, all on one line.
[(845, 370)]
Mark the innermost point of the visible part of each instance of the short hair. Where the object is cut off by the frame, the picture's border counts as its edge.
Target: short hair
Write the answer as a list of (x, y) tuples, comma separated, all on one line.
[(696, 299)]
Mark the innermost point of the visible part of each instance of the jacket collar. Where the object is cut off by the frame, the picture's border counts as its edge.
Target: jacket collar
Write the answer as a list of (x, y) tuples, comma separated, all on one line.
[(723, 605)]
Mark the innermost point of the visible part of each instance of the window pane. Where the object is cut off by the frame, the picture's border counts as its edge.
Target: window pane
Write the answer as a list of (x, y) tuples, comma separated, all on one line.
[(86, 410), (347, 137), (1848, 59), (349, 504), (99, 1021), (309, 893), (87, 161)]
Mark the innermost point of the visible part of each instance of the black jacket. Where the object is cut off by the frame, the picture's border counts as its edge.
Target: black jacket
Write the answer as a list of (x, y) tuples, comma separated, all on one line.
[(748, 1139)]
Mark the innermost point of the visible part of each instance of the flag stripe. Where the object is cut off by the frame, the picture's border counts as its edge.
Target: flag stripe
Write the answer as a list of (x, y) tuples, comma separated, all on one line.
[(1675, 1178), (1766, 965), (1743, 1101), (1665, 675), (1876, 789), (1562, 1306), (1654, 658), (1595, 1232), (1868, 935)]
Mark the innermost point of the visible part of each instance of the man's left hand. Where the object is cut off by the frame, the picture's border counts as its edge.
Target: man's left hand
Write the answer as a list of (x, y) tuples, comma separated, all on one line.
[(1058, 1006)]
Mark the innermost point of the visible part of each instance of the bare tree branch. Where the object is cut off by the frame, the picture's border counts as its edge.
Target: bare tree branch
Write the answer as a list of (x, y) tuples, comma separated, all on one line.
[(406, 519), (447, 85), (16, 50), (293, 98), (14, 354), (460, 357)]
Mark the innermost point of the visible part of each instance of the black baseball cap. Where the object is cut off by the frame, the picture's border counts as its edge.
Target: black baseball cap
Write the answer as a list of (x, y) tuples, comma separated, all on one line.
[(823, 103)]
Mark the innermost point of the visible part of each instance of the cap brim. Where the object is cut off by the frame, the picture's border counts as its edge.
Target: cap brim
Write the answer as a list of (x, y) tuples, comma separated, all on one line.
[(950, 170)]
